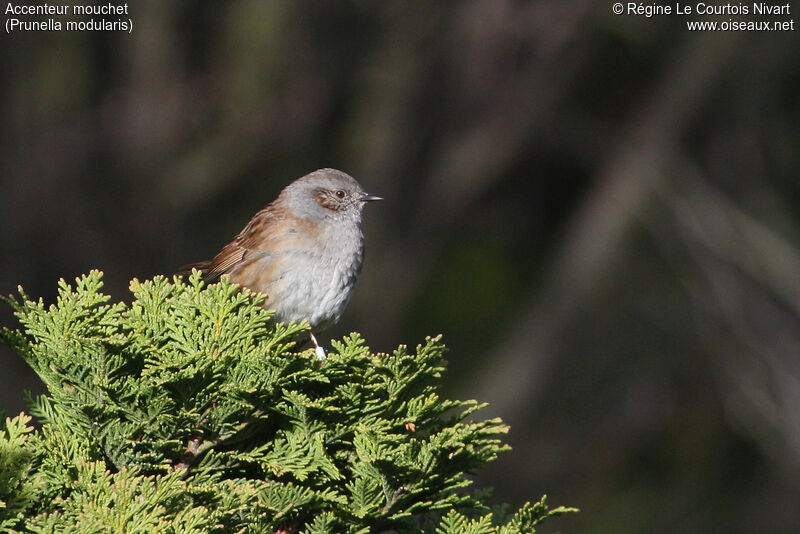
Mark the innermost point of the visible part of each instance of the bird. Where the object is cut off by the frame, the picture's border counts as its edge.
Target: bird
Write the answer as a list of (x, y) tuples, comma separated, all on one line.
[(304, 250)]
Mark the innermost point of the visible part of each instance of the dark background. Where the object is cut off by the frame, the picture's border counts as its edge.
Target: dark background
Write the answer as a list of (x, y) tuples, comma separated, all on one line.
[(599, 212)]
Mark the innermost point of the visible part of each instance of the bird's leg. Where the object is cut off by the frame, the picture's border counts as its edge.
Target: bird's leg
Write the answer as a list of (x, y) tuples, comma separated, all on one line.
[(318, 350)]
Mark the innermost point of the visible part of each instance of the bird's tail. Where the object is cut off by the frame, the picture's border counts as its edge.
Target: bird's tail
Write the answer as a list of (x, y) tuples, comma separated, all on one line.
[(201, 266)]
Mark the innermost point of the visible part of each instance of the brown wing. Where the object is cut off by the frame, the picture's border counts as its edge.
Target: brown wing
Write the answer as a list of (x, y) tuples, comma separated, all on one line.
[(239, 251)]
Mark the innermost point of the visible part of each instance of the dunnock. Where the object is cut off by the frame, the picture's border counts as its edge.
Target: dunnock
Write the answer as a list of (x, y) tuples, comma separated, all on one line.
[(303, 251)]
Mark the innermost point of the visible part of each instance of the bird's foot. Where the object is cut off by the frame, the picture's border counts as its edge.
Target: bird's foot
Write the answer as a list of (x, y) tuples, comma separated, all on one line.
[(318, 350)]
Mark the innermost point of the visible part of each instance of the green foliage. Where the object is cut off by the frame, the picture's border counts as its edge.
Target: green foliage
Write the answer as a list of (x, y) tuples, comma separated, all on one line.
[(192, 411)]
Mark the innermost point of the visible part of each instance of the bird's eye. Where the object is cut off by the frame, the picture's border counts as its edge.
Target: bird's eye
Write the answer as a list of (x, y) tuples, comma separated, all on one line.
[(340, 194)]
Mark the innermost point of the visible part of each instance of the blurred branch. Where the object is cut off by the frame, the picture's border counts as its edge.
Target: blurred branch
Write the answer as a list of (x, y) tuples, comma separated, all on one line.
[(746, 307), (593, 240), (495, 107)]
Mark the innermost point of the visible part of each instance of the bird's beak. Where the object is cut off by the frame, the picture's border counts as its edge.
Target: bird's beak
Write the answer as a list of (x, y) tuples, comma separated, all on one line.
[(369, 198)]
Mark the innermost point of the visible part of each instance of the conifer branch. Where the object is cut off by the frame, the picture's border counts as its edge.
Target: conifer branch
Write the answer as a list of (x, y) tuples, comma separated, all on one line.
[(190, 411)]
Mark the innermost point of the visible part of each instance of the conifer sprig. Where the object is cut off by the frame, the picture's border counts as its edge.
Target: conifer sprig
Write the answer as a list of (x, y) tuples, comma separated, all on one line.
[(191, 410)]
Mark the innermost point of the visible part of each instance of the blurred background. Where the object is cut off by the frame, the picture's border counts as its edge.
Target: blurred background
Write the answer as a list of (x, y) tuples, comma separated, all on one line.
[(601, 214)]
